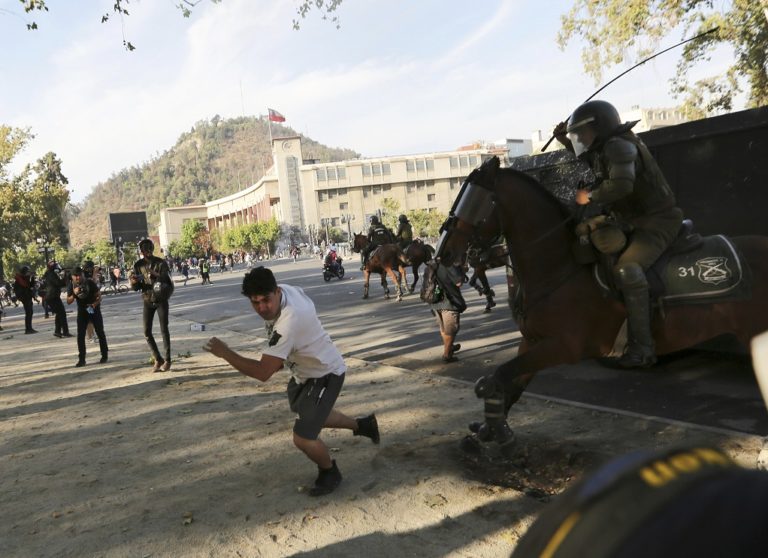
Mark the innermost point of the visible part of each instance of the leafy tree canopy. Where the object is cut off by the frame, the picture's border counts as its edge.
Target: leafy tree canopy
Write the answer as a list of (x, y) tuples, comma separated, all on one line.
[(120, 7), (630, 30)]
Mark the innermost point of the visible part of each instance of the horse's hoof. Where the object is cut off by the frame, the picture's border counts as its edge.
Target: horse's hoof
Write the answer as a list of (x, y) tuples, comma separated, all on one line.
[(471, 445)]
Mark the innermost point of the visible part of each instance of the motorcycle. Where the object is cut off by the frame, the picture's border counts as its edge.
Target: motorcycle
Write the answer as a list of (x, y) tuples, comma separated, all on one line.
[(331, 270)]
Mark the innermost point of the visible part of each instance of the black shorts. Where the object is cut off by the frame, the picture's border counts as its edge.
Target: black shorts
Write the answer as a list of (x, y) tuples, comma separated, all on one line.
[(313, 401)]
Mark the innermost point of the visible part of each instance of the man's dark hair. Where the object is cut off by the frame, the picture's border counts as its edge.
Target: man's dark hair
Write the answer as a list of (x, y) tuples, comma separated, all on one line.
[(258, 282)]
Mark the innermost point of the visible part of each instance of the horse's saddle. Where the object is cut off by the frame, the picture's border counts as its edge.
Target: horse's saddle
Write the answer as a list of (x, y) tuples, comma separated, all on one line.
[(694, 270)]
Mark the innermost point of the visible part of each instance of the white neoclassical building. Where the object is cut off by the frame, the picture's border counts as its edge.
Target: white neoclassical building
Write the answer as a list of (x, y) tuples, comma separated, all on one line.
[(307, 194)]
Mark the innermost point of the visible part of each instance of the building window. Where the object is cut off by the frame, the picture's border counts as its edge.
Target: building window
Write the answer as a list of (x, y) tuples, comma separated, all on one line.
[(376, 190), (421, 185), (342, 191), (430, 197), (464, 161), (343, 206), (409, 166), (366, 170), (454, 183), (321, 196), (321, 175), (472, 161), (331, 173), (334, 221), (342, 172), (420, 165), (454, 162), (410, 187), (386, 187), (430, 164), (430, 183), (386, 169), (331, 194), (366, 191), (376, 169)]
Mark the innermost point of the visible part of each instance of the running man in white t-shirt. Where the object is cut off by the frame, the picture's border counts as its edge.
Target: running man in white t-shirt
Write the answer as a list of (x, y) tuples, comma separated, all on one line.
[(297, 339)]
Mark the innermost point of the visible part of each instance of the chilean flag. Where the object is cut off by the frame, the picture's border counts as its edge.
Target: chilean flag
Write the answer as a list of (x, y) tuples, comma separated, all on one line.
[(275, 116)]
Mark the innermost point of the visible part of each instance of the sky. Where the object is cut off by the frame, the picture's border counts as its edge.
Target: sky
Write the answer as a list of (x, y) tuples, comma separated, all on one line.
[(399, 76)]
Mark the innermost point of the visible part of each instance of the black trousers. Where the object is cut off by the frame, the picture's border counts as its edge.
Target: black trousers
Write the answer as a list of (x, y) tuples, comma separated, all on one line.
[(83, 317), (28, 309), (162, 314), (57, 307)]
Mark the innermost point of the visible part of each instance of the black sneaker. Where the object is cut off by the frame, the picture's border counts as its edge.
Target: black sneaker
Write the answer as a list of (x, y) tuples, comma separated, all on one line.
[(103, 359), (30, 331), (57, 335), (80, 363), (327, 480), (368, 427)]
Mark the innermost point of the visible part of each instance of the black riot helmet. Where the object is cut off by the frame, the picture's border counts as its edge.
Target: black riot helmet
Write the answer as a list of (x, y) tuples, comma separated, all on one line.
[(374, 220), (146, 245), (592, 121), (403, 219), (24, 269)]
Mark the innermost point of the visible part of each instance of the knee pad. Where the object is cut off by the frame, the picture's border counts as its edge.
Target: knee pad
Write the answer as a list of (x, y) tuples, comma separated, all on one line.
[(630, 275)]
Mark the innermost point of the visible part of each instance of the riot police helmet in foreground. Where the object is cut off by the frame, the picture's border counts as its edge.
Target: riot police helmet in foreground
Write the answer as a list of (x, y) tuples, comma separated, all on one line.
[(592, 121), (403, 219), (374, 220)]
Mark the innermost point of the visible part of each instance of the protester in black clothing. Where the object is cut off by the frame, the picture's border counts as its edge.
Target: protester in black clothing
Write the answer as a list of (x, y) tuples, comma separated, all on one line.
[(88, 297), (23, 285), (152, 277), (53, 285)]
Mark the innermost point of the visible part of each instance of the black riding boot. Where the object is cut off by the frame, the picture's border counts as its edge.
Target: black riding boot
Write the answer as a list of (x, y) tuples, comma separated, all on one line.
[(641, 350)]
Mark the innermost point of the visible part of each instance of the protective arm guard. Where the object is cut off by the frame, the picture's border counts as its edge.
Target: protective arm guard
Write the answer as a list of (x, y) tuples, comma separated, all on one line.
[(619, 156)]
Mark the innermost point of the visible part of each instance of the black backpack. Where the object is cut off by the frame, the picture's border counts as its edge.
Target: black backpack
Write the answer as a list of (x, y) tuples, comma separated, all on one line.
[(431, 293)]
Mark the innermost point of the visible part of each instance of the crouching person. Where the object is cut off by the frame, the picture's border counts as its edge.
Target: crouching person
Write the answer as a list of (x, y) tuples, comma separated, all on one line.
[(297, 338)]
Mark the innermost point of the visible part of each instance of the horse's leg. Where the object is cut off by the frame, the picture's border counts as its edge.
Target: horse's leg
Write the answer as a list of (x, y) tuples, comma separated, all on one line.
[(415, 269), (398, 291), (366, 276), (384, 284), (503, 388), (487, 291)]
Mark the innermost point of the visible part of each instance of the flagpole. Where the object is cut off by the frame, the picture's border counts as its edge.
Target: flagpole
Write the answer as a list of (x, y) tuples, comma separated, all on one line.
[(270, 129)]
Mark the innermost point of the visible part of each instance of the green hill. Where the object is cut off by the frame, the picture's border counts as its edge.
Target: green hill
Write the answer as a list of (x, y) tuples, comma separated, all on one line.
[(214, 159)]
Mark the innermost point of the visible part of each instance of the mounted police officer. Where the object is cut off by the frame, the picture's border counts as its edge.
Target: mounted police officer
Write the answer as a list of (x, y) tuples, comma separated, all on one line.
[(633, 193), (404, 234), (378, 234), (152, 277)]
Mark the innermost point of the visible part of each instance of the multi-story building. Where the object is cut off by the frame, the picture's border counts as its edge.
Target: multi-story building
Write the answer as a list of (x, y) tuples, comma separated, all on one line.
[(307, 194)]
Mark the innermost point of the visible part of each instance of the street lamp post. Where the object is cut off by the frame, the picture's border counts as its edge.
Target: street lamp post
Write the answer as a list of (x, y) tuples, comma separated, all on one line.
[(43, 247)]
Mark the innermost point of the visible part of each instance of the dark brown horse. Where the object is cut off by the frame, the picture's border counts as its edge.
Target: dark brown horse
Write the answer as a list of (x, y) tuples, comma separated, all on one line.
[(383, 260), (482, 259), (562, 313), (416, 255)]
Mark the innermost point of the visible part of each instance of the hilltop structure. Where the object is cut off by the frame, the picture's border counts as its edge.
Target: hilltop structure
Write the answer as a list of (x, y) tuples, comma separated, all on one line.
[(307, 194)]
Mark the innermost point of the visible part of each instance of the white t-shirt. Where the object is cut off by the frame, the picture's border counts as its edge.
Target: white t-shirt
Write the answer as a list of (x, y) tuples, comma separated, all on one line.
[(298, 337)]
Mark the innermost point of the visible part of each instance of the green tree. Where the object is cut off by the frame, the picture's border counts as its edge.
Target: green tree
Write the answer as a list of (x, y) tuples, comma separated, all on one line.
[(194, 240), (13, 218), (426, 224), (46, 201), (390, 211), (619, 30), (102, 253)]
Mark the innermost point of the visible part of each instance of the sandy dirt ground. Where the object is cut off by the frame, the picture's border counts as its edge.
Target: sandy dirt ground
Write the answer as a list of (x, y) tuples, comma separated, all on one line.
[(112, 460)]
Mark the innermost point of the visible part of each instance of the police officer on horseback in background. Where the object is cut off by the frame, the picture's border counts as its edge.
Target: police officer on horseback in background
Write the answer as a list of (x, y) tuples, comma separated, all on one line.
[(378, 234), (404, 234), (634, 194)]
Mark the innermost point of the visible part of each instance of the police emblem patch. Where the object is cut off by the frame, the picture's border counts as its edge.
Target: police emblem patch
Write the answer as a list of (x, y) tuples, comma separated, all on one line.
[(713, 271)]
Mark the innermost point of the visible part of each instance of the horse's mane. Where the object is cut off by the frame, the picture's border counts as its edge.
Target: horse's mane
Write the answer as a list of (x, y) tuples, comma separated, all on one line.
[(536, 186)]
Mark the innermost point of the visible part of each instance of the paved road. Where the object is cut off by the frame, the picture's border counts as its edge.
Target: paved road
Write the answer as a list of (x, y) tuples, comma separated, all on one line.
[(698, 387)]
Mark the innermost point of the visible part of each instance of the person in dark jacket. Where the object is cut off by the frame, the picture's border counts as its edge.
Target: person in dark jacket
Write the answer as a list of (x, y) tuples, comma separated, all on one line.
[(23, 287), (152, 277), (86, 292), (378, 234), (53, 286)]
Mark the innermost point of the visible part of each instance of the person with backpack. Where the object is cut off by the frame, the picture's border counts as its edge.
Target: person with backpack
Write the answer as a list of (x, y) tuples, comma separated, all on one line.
[(441, 289), (378, 234), (152, 277)]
